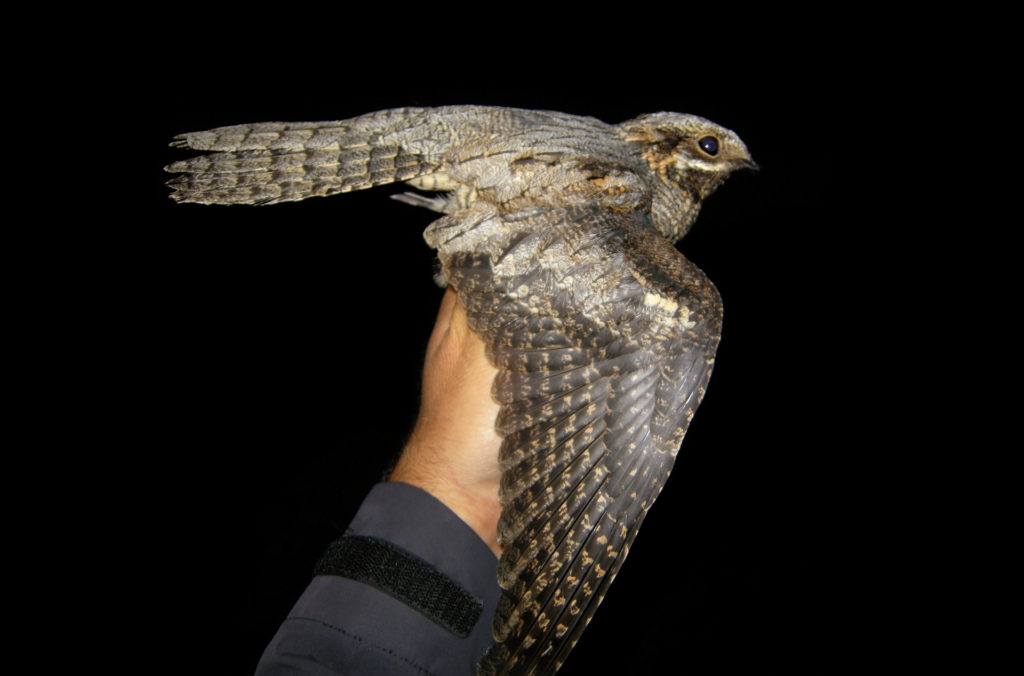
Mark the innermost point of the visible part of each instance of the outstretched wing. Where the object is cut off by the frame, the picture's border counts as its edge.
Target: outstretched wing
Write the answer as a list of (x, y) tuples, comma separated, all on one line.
[(605, 337)]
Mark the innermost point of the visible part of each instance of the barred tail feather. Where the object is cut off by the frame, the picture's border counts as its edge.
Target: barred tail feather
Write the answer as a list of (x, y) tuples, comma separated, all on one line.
[(282, 162)]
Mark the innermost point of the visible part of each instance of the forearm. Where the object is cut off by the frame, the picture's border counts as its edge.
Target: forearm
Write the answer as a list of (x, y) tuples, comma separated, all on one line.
[(344, 624)]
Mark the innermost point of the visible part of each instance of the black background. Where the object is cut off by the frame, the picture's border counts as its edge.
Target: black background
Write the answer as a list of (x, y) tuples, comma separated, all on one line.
[(273, 355)]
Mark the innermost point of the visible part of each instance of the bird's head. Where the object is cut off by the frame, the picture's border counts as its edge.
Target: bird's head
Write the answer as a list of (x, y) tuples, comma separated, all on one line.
[(692, 157)]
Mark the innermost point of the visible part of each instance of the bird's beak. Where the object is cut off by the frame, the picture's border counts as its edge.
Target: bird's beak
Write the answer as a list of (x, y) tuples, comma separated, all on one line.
[(747, 163)]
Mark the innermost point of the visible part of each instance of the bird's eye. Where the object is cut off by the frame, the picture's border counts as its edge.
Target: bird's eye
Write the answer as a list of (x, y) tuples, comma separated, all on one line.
[(709, 144)]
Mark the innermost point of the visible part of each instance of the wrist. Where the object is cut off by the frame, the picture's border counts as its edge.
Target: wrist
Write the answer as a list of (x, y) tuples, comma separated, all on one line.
[(477, 505)]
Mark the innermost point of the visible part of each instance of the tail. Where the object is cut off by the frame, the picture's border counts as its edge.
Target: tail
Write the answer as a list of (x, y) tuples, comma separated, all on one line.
[(288, 161)]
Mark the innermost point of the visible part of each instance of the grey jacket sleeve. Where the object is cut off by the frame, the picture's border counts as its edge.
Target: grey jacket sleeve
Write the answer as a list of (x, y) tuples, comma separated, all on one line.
[(345, 626)]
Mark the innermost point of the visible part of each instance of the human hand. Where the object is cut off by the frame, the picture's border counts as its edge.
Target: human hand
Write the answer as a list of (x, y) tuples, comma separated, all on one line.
[(453, 451)]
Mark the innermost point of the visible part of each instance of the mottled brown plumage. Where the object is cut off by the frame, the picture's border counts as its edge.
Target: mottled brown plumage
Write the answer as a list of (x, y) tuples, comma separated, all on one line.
[(558, 235)]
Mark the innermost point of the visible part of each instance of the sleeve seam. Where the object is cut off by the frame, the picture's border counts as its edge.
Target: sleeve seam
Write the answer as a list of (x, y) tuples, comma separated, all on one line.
[(367, 642)]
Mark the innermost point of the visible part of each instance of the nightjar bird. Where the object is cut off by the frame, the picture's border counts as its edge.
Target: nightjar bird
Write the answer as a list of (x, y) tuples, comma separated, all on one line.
[(557, 233)]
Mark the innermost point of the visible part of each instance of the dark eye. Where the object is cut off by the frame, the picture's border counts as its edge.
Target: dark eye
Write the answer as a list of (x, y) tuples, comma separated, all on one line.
[(709, 144)]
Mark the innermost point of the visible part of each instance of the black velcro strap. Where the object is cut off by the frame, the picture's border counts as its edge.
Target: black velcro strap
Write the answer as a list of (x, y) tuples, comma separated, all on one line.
[(405, 577)]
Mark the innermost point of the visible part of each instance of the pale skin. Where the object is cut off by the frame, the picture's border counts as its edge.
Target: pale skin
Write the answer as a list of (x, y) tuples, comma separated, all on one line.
[(453, 451)]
